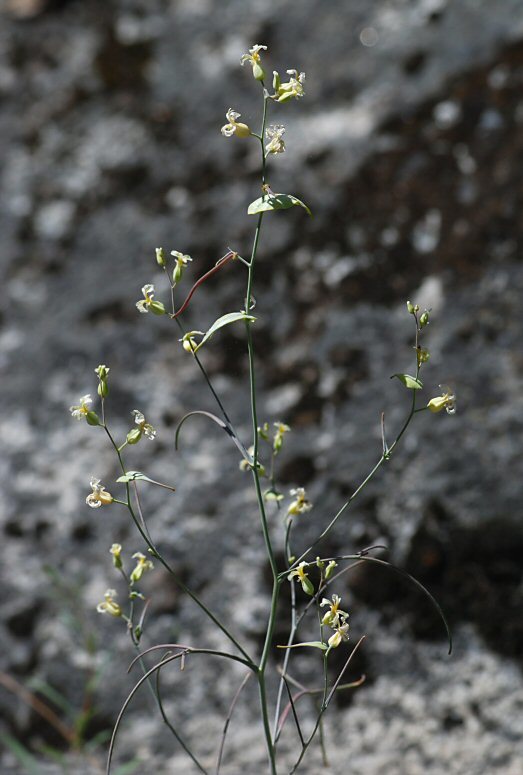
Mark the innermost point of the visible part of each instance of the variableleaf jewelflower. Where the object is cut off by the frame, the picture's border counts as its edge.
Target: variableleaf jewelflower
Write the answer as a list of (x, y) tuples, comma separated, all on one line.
[(189, 343), (300, 504), (334, 615), (253, 57), (447, 401), (181, 262), (274, 134), (341, 634), (281, 430), (160, 257), (116, 551), (422, 355), (234, 127), (109, 605), (82, 411), (144, 428), (99, 495), (301, 575), (147, 304), (102, 372), (141, 566), (291, 89)]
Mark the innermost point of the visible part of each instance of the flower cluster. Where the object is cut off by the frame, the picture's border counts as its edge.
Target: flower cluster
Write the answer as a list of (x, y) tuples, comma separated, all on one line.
[(291, 89)]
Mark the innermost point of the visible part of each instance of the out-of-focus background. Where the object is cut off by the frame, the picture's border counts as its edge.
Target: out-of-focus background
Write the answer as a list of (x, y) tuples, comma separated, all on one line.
[(409, 149)]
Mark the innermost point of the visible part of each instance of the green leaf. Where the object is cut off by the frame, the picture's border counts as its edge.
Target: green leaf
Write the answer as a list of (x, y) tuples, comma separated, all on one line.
[(410, 382), (225, 320), (316, 644), (275, 202), (133, 476)]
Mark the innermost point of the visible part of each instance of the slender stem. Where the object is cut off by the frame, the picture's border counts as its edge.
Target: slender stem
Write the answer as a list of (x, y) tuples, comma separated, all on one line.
[(166, 565), (290, 639), (384, 457), (256, 476)]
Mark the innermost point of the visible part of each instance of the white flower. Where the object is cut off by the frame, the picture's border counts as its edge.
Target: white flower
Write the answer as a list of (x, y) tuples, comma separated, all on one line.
[(334, 614), (300, 504), (109, 606), (99, 495), (79, 412), (144, 304), (234, 127), (145, 427), (254, 54), (275, 134), (147, 304)]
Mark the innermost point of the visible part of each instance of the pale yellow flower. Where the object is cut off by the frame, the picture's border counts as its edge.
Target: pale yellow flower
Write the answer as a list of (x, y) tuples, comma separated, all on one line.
[(253, 57), (446, 401), (233, 127), (99, 495), (108, 605), (291, 89), (341, 634), (141, 566), (302, 577)]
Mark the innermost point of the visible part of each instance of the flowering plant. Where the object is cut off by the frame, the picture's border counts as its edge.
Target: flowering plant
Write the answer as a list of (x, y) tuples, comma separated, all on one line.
[(315, 574)]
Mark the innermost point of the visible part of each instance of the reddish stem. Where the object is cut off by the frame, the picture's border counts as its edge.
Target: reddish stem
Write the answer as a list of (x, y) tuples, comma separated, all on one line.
[(224, 260)]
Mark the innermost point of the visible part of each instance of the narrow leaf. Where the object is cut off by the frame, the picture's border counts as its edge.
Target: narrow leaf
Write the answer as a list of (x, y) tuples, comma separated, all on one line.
[(410, 382), (316, 644), (225, 320), (275, 202)]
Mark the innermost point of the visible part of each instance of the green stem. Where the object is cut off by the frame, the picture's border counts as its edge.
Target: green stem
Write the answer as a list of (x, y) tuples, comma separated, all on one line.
[(256, 477)]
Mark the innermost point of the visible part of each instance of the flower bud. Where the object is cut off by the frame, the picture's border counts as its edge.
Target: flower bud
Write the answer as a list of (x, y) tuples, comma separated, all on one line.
[(160, 257), (103, 388), (424, 319), (330, 569), (116, 551)]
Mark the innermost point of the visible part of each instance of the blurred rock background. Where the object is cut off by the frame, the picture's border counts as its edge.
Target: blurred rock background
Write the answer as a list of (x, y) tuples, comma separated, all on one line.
[(408, 147)]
